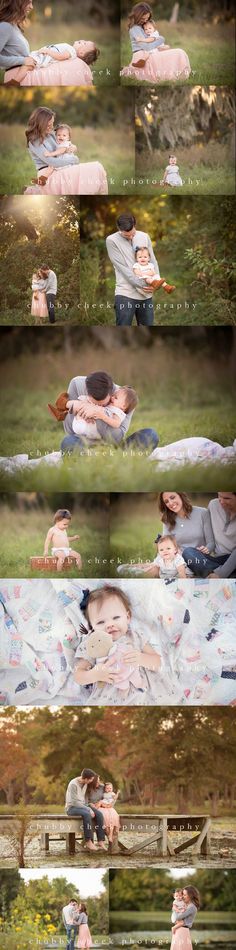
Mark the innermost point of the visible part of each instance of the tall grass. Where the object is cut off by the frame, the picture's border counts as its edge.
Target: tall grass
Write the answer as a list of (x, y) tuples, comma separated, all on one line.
[(210, 49)]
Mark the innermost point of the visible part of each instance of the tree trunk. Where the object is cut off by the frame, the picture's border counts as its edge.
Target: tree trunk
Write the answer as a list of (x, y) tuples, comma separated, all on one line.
[(175, 13)]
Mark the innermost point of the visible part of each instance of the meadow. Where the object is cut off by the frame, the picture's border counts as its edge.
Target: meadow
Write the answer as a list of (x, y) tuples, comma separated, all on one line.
[(204, 169), (94, 144), (209, 46), (23, 535), (180, 396)]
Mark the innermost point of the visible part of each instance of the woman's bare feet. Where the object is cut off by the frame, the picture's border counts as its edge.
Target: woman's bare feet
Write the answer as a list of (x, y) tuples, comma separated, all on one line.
[(90, 846), (101, 844)]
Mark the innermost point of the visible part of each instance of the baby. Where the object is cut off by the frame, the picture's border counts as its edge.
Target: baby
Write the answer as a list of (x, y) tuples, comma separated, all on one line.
[(171, 174), (108, 610), (64, 145), (152, 34), (123, 401), (178, 905), (47, 55), (109, 796), (144, 268), (57, 538), (169, 562)]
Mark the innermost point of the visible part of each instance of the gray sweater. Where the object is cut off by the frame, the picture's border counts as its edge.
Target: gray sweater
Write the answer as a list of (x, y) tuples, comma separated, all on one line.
[(13, 46), (188, 915), (37, 150), (193, 531), (224, 532), (75, 794), (77, 387), (137, 44), (122, 255)]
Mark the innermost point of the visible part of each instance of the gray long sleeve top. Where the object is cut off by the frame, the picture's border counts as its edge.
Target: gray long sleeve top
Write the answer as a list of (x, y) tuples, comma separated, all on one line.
[(13, 46), (122, 255), (37, 150), (75, 794), (193, 531), (77, 387), (188, 915)]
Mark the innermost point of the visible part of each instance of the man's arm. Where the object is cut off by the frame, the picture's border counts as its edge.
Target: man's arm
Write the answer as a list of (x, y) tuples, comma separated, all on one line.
[(227, 568)]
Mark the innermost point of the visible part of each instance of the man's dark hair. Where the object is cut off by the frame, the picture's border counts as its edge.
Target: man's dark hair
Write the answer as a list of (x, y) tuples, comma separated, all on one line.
[(88, 773), (44, 267), (125, 222), (99, 385)]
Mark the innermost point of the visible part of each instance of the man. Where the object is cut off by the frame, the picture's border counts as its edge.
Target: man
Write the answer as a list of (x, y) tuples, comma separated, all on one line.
[(50, 288), (222, 514), (99, 387), (76, 806), (133, 297), (68, 917)]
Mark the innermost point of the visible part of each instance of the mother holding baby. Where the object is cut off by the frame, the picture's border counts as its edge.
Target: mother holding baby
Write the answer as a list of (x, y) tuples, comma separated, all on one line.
[(66, 176), (152, 59), (65, 65)]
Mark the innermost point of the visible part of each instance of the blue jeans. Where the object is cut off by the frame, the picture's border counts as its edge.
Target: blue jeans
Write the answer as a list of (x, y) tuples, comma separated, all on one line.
[(71, 933), (202, 564), (143, 438), (126, 308), (83, 811)]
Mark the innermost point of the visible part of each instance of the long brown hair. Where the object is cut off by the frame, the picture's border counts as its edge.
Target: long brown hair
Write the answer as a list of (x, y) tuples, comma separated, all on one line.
[(13, 11), (82, 909), (194, 895), (37, 124), (169, 517), (136, 14)]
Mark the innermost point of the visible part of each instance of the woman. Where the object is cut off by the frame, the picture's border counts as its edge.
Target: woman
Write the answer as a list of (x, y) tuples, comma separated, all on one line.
[(110, 815), (181, 939), (160, 65), (190, 524), (69, 177), (39, 308), (84, 937), (15, 52)]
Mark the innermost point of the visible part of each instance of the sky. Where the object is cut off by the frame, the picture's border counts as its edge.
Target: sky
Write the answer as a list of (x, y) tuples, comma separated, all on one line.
[(88, 881)]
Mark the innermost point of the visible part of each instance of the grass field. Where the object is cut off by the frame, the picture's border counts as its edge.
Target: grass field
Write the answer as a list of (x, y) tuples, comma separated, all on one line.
[(103, 145), (203, 178), (23, 535), (106, 68), (180, 396), (210, 49)]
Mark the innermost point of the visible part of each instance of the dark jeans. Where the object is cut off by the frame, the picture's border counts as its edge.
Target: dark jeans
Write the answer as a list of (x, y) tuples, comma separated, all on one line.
[(82, 811), (51, 298), (126, 308), (202, 564), (142, 439), (71, 933)]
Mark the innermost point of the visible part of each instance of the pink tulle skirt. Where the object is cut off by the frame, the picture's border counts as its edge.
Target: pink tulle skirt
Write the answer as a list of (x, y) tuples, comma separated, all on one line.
[(84, 938), (71, 72), (111, 821), (87, 178), (39, 305), (181, 940), (159, 67)]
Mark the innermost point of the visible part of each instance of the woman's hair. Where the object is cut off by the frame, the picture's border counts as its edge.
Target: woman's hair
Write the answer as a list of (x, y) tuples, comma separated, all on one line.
[(136, 14), (131, 398), (63, 125), (169, 517), (194, 895), (37, 124), (83, 908), (60, 514), (88, 773), (168, 537), (13, 11), (98, 596)]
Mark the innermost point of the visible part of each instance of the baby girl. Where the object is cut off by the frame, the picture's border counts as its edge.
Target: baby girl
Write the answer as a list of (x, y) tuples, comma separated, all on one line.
[(109, 796), (168, 564), (123, 401), (60, 52), (64, 145), (152, 34), (171, 174), (178, 905), (130, 658), (144, 268)]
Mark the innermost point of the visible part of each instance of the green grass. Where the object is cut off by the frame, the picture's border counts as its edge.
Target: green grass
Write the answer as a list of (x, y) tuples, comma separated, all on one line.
[(106, 68), (210, 49), (202, 179), (196, 407), (23, 535), (103, 145)]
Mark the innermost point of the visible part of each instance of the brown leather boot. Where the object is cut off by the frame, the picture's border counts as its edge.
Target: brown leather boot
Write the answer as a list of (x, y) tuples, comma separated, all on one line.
[(59, 411), (157, 283), (169, 288)]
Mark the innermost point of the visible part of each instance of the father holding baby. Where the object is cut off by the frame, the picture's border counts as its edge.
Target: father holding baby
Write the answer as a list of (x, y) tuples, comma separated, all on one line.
[(91, 395), (137, 273)]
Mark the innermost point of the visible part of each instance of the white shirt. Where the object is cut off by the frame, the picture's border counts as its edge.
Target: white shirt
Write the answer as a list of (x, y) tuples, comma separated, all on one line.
[(68, 913)]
